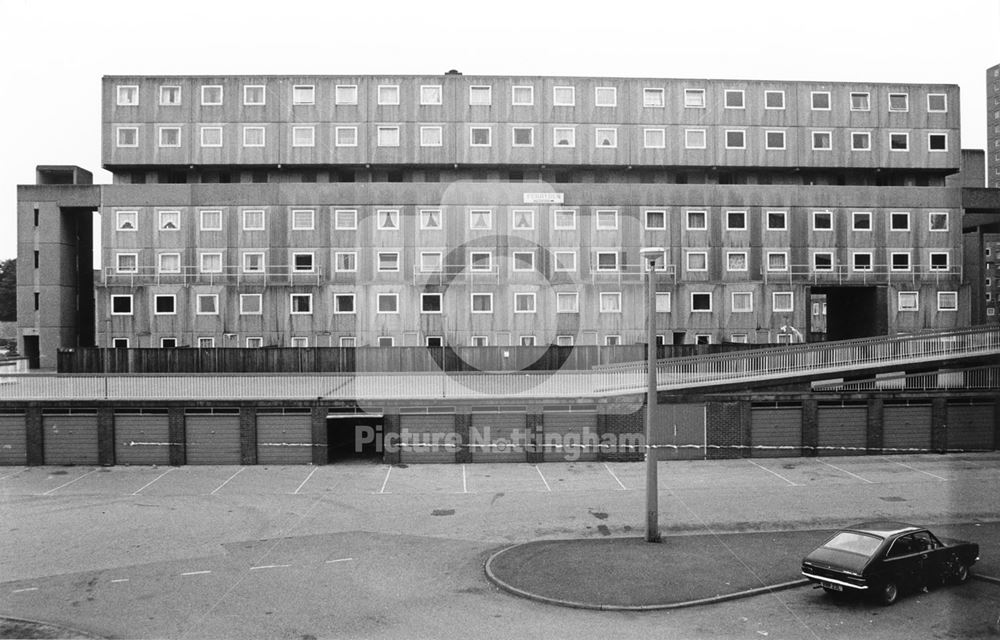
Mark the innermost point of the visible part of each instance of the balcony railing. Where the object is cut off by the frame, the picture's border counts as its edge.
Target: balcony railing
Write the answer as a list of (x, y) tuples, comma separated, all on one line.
[(847, 274), (228, 275)]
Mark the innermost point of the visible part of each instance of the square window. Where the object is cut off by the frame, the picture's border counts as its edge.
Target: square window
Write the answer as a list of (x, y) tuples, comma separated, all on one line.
[(734, 99), (774, 99), (480, 136), (480, 261), (774, 139), (820, 100), (431, 94), (121, 305), (736, 220), (947, 300), (899, 102), (777, 261), (605, 96), (128, 136), (861, 221), (387, 303), (939, 261), (777, 220), (253, 94), (431, 136), (694, 139), (303, 219), (302, 262), (303, 94), (565, 219), (522, 96), (388, 219), (299, 342), (253, 219), (605, 137), (345, 136), (861, 261), (386, 341), (343, 303), (697, 220), (822, 261), (388, 94), (742, 301), (522, 219), (563, 96), (430, 303), (908, 301), (253, 136), (701, 301), (860, 101), (861, 141), (253, 262), (127, 263), (607, 219), (170, 220), (211, 95), (822, 141), (607, 261), (169, 263), (564, 136), (480, 96), (168, 343), (211, 263), (738, 338), (937, 220), (304, 136), (524, 260), (523, 136), (480, 219), (610, 302), (430, 219), (783, 301), (211, 136), (206, 343), (430, 261), (937, 102), (170, 136), (211, 220), (899, 141), (387, 136), (899, 261), (524, 303), (937, 141), (694, 98), (345, 219), (653, 97), (822, 221), (736, 139), (736, 261), (128, 95), (697, 261), (656, 219), (662, 304), (527, 341), (567, 302), (345, 94), (899, 221), (612, 340), (300, 303), (654, 138), (387, 261), (565, 261), (207, 304), (482, 303), (348, 341)]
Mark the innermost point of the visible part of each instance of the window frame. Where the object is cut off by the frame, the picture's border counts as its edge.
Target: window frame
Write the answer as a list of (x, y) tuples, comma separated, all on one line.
[(699, 295), (484, 89), (557, 268), (168, 255), (867, 137), (767, 139), (245, 215), (688, 219), (387, 262), (571, 144), (341, 94), (481, 295), (341, 134), (124, 145), (204, 219), (690, 265), (646, 220), (382, 133), (247, 102), (601, 222), (387, 95), (127, 95), (207, 90), (254, 129), (340, 301), (473, 129), (161, 130), (771, 92), (737, 269), (734, 92), (743, 295), (782, 306), (612, 307), (303, 95), (612, 91), (247, 309), (906, 141), (829, 140), (297, 223), (424, 215), (819, 215), (613, 137), (513, 137), (164, 216), (942, 306), (296, 268), (200, 304), (944, 99), (247, 267), (430, 101), (562, 297), (907, 301), (659, 131), (867, 100), (525, 295), (203, 130), (866, 265), (930, 144), (382, 305), (730, 143), (424, 297), (813, 95), (514, 102), (556, 102), (559, 214), (292, 297), (784, 219), (695, 98), (647, 91), (428, 129), (342, 224), (691, 143), (906, 101), (301, 142)]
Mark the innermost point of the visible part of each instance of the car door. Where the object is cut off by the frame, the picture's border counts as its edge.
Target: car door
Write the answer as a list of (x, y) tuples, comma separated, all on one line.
[(902, 562), (932, 557)]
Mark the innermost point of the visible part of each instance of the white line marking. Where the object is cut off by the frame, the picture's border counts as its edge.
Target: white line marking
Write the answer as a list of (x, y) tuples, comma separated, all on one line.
[(24, 590), (339, 560), (120, 580), (624, 488), (915, 469), (306, 480), (11, 475), (759, 466), (465, 485), (547, 487), (70, 482), (227, 480), (845, 471), (153, 480), (196, 573), (386, 480), (270, 566)]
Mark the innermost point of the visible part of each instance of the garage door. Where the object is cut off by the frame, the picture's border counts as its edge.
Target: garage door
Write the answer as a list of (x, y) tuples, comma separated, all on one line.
[(424, 441), (13, 440), (498, 437), (679, 429), (970, 427), (70, 438), (142, 439), (843, 431), (570, 435), (213, 439), (775, 432), (906, 429), (284, 438)]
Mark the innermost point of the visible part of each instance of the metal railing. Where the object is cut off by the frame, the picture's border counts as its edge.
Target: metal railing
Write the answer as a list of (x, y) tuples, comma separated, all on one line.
[(843, 273), (227, 275), (975, 378)]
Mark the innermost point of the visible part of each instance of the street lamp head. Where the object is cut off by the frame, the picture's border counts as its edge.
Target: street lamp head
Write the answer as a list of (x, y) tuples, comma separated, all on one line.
[(652, 254)]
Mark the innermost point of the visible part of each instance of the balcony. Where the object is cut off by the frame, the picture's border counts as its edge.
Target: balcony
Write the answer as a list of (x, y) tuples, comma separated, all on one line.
[(273, 275)]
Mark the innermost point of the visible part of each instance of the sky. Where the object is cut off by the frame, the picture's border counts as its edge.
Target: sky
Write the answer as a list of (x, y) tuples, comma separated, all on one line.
[(54, 52)]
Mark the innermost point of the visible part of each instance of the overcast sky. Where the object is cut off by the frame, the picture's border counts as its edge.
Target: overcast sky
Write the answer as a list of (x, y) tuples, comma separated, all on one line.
[(54, 52)]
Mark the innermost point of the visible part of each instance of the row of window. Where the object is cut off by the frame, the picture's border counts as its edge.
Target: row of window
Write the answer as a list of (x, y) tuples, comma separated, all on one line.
[(482, 303), (524, 95), (525, 219), (563, 137)]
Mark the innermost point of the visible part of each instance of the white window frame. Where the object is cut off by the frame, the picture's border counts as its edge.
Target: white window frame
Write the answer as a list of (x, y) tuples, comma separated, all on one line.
[(747, 301), (483, 214), (481, 296), (659, 132), (571, 138), (163, 130), (162, 257), (615, 265), (247, 101), (200, 304), (827, 254), (345, 219), (906, 138), (556, 255), (205, 217), (527, 214), (513, 95), (345, 94), (567, 302), (428, 99), (745, 216), (513, 137), (303, 94), (650, 227), (119, 268), (337, 267), (558, 217), (829, 138), (782, 301), (699, 294), (425, 218), (862, 267), (694, 99), (388, 219), (767, 139), (246, 265), (116, 297), (382, 135), (205, 130), (431, 296), (603, 102), (812, 100), (483, 93), (205, 260), (901, 215), (742, 139), (690, 141), (944, 98), (857, 216), (254, 129), (247, 213), (251, 304), (784, 261), (931, 134), (382, 301), (691, 258), (687, 219), (312, 262), (867, 100), (207, 90), (943, 303), (730, 255), (947, 260), (734, 92), (342, 136), (610, 302), (868, 141), (771, 92), (303, 219), (784, 220), (556, 90), (125, 145), (518, 256), (906, 101), (472, 135), (602, 222), (165, 216), (300, 140), (932, 215), (127, 95), (908, 301), (338, 303), (892, 261), (658, 103), (822, 215), (426, 130), (606, 130), (387, 95), (525, 296), (387, 261), (431, 267), (292, 297), (476, 263)]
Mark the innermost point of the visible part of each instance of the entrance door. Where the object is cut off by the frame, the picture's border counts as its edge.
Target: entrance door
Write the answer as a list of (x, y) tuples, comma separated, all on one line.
[(851, 312)]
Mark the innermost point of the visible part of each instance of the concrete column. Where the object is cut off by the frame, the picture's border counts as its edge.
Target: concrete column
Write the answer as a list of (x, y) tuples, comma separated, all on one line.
[(248, 435), (35, 436), (939, 425), (319, 441), (810, 428), (106, 436), (534, 428), (177, 436), (876, 426), (391, 424), (463, 422)]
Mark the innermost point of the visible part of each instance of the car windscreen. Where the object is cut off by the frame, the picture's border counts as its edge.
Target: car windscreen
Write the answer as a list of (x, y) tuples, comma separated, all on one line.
[(859, 543)]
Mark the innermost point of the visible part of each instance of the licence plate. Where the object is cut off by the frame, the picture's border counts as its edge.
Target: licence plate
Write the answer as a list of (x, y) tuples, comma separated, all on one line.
[(831, 586)]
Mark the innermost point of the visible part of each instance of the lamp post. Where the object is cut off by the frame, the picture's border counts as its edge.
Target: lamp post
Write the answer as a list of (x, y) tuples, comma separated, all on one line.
[(650, 256)]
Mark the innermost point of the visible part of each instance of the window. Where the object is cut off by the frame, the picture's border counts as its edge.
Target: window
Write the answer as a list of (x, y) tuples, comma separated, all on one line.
[(662, 304), (481, 219), (170, 220), (482, 303), (701, 301), (210, 263), (736, 261), (128, 136), (524, 303), (654, 138), (697, 220), (523, 136), (253, 136), (607, 261), (387, 136), (303, 94), (253, 94), (211, 136), (564, 136), (777, 220), (563, 96), (206, 343), (300, 303), (303, 219), (777, 261), (387, 303), (899, 261), (861, 141), (736, 220), (567, 302), (343, 303), (947, 300), (697, 261), (128, 95), (211, 220), (861, 261), (480, 260), (822, 221), (607, 218), (479, 341), (939, 261), (430, 219), (430, 303), (345, 219), (742, 301), (388, 94), (899, 221), (431, 261), (822, 141), (739, 338), (606, 137), (169, 263), (612, 340), (565, 260), (299, 342), (127, 263), (431, 94), (860, 101), (908, 301), (345, 94), (211, 95), (610, 302), (861, 221), (345, 261), (605, 96), (937, 102), (564, 219), (656, 219), (170, 136), (822, 261), (348, 341), (388, 219), (253, 219), (899, 102), (774, 99), (480, 136), (431, 136), (522, 219), (899, 141), (168, 343), (937, 220), (522, 96), (736, 139), (937, 141), (480, 95), (653, 97), (527, 341), (207, 304), (782, 301), (251, 304), (820, 100), (253, 262), (304, 136), (694, 98), (345, 136), (302, 262), (734, 99), (774, 140), (387, 261), (694, 139)]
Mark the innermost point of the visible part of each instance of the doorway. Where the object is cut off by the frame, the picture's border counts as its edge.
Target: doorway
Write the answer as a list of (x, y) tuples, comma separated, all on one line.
[(848, 312), (354, 437)]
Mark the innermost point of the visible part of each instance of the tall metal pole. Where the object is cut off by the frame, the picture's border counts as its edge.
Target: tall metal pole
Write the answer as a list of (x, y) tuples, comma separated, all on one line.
[(652, 497)]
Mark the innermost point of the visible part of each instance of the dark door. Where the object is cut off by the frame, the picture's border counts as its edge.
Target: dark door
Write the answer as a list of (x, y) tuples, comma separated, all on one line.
[(32, 351)]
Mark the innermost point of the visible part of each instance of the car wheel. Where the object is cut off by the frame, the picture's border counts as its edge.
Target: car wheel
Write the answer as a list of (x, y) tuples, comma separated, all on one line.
[(889, 593), (960, 572)]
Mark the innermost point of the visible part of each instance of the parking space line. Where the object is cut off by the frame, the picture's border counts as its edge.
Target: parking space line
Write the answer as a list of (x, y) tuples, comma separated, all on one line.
[(386, 481), (339, 560), (227, 481), (465, 484), (853, 475), (624, 488), (11, 475), (120, 580), (153, 480), (25, 590), (270, 566), (70, 482), (306, 480), (915, 469), (196, 573), (547, 487), (774, 473)]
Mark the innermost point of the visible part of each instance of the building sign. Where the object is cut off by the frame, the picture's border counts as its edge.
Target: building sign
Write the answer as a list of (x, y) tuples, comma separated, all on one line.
[(543, 198)]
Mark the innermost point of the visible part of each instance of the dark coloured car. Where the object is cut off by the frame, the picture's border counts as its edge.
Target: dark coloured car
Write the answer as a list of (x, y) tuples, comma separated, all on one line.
[(885, 558)]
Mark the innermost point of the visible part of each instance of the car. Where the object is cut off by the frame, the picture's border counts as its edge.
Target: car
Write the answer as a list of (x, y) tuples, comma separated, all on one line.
[(884, 559)]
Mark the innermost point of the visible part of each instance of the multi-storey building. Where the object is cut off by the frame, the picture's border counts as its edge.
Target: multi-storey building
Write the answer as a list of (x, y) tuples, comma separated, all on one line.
[(993, 126), (409, 210)]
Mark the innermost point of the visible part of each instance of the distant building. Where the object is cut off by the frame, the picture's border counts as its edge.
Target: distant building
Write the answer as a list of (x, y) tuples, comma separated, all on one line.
[(993, 125)]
